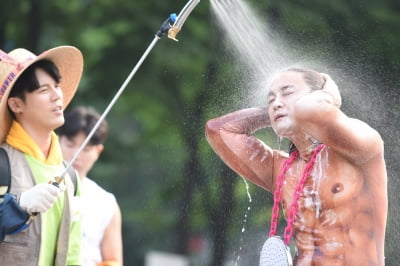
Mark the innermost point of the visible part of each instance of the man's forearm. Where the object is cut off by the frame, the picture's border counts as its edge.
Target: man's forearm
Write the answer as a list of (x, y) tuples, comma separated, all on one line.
[(245, 121)]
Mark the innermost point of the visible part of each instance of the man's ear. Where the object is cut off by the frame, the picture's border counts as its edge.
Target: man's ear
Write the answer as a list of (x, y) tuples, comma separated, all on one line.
[(15, 105), (100, 148), (331, 88)]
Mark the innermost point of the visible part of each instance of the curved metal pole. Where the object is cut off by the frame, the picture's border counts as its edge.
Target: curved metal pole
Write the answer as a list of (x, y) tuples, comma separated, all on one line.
[(110, 105), (165, 27), (186, 10)]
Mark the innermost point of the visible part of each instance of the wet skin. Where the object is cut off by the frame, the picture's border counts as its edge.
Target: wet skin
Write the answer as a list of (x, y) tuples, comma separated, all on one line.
[(342, 211)]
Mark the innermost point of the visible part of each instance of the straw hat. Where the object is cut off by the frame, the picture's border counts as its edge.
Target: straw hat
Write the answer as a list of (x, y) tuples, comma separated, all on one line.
[(68, 60)]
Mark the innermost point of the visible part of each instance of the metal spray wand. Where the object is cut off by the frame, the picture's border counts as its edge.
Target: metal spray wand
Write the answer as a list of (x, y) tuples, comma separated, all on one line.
[(172, 30)]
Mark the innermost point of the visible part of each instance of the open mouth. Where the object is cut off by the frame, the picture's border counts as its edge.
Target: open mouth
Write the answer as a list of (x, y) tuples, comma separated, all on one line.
[(277, 117), (57, 109)]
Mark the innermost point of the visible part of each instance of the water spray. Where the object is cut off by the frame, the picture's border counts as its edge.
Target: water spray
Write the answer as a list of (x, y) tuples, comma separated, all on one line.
[(172, 26)]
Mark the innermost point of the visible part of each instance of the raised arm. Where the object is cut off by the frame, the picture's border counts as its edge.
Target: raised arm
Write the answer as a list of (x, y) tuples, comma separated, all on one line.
[(319, 115), (230, 137)]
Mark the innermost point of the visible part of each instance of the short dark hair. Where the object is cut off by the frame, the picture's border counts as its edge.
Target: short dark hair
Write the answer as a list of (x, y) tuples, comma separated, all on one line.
[(28, 82), (83, 119)]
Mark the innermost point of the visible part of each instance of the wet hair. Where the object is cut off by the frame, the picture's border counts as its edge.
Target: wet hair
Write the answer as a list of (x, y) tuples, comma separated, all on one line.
[(83, 119), (314, 80), (28, 82)]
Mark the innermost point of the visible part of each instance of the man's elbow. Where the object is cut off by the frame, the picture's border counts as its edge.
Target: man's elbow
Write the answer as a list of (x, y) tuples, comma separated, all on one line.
[(212, 127)]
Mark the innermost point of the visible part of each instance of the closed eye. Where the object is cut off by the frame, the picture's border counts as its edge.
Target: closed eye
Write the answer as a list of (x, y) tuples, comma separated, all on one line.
[(287, 90), (287, 93), (271, 100)]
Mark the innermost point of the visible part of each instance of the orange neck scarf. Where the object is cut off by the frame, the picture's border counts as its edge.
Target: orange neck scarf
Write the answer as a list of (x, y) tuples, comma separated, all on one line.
[(19, 139)]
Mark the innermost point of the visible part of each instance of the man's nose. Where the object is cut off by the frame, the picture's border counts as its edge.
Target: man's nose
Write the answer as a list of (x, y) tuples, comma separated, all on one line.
[(277, 103), (57, 93)]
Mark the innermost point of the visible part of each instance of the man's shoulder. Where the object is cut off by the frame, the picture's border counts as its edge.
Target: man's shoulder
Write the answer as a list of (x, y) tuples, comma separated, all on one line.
[(91, 186), (92, 193)]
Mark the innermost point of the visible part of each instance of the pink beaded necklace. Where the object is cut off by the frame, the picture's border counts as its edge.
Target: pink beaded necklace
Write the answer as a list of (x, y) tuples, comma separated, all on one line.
[(288, 232)]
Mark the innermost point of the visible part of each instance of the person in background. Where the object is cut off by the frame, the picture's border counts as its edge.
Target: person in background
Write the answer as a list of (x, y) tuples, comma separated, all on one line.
[(332, 185), (102, 238), (34, 91)]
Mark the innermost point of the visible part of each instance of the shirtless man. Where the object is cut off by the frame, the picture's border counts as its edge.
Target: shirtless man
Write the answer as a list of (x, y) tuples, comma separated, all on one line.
[(342, 211)]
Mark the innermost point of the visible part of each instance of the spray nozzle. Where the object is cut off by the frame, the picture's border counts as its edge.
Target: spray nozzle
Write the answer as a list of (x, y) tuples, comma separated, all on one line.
[(176, 21), (166, 25), (186, 10)]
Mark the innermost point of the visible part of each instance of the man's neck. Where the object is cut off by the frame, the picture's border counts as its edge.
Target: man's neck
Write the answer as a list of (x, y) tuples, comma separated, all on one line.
[(306, 146), (41, 137)]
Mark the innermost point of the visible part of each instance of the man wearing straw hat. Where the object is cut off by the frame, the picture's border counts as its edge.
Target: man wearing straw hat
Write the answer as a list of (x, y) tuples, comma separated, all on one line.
[(34, 91)]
